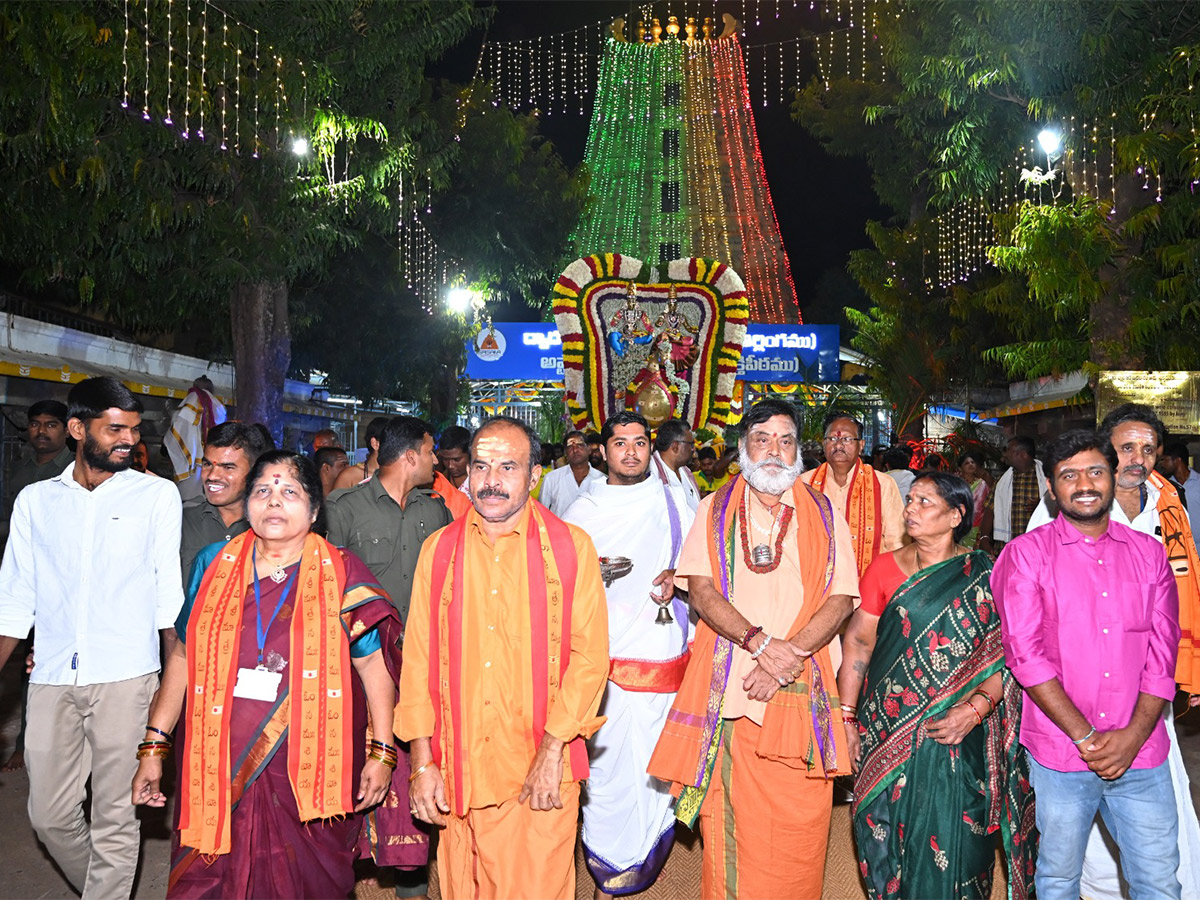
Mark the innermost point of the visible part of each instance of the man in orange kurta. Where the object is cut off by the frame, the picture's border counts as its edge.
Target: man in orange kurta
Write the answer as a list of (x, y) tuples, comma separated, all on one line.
[(870, 502), (505, 661), (754, 737), (456, 501)]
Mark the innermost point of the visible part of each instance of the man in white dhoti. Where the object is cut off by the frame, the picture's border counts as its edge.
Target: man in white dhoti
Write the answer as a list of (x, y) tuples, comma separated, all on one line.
[(637, 524), (199, 411)]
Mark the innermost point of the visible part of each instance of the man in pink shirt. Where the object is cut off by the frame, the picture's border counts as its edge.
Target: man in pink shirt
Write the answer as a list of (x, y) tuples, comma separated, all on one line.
[(1089, 614)]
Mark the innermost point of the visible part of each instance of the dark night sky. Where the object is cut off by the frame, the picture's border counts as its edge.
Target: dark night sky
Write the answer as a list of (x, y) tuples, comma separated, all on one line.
[(822, 202)]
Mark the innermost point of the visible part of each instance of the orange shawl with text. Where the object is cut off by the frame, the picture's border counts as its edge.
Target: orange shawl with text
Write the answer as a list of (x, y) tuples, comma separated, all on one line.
[(802, 726), (320, 748), (864, 510), (1181, 553), (552, 567)]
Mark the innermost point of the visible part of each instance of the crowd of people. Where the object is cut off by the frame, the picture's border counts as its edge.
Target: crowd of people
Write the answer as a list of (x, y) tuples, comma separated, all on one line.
[(490, 643)]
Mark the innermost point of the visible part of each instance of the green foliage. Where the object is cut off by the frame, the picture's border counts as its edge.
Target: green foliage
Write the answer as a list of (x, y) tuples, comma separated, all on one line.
[(1077, 283), (506, 214), (155, 229), (1060, 251), (511, 202)]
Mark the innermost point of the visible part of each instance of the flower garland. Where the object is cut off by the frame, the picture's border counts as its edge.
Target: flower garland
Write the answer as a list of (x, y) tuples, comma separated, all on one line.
[(592, 288)]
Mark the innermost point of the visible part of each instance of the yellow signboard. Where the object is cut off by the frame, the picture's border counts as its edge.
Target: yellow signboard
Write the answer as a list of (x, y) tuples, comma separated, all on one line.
[(1174, 396)]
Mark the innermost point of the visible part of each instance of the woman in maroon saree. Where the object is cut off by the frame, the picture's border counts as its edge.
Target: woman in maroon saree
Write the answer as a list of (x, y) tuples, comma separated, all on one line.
[(262, 812)]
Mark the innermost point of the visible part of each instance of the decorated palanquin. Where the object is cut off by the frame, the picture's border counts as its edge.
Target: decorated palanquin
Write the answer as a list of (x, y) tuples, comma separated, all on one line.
[(666, 344)]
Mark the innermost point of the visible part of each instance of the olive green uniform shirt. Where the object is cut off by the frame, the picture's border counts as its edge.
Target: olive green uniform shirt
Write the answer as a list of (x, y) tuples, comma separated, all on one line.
[(203, 525), (366, 521), (28, 472)]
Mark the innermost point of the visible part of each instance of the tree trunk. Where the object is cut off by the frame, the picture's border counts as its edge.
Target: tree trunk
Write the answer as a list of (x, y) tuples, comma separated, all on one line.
[(1110, 317), (262, 352)]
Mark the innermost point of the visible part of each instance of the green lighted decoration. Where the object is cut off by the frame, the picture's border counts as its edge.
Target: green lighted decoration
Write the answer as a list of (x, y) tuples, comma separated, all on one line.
[(676, 169)]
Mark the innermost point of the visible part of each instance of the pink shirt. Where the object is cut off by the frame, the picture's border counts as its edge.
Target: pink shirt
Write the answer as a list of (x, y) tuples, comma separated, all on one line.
[(1099, 614)]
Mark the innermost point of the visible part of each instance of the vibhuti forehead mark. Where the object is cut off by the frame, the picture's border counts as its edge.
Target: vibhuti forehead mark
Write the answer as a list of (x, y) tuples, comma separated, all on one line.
[(496, 445)]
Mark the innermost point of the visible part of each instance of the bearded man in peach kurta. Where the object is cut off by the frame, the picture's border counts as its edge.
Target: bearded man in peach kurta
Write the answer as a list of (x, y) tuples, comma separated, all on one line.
[(505, 661), (754, 737)]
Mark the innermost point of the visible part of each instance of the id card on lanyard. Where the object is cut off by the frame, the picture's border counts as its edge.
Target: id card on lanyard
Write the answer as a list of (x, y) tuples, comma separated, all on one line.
[(261, 683)]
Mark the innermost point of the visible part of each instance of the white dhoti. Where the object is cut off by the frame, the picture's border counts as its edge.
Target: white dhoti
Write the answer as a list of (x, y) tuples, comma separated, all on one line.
[(199, 411), (629, 817), (1101, 873)]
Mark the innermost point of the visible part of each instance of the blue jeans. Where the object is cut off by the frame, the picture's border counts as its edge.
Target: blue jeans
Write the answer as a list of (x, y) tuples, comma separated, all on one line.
[(1139, 810)]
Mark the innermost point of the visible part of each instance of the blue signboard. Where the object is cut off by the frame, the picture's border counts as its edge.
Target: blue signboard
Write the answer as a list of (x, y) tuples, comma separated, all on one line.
[(532, 351), (516, 351), (790, 353)]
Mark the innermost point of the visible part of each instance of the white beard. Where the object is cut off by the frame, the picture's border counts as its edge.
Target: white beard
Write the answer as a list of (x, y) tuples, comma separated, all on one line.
[(770, 475)]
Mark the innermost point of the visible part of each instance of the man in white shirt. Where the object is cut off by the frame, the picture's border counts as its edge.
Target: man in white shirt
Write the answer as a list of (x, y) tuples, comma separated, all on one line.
[(674, 447), (561, 487), (93, 557)]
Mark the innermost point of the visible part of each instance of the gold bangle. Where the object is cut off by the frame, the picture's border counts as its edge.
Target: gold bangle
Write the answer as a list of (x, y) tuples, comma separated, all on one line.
[(413, 776)]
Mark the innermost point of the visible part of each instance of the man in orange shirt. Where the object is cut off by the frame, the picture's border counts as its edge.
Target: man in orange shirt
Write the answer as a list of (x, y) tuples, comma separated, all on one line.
[(755, 734), (506, 658)]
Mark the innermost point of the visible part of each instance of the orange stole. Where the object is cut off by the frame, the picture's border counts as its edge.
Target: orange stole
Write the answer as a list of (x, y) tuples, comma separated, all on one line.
[(1181, 554), (686, 750), (863, 511), (549, 542), (320, 748)]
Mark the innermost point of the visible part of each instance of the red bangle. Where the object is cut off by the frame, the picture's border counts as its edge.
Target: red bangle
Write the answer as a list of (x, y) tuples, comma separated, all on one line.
[(971, 706), (750, 635)]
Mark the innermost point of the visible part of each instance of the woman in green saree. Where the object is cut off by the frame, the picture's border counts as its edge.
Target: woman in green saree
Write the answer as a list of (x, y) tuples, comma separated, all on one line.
[(934, 728)]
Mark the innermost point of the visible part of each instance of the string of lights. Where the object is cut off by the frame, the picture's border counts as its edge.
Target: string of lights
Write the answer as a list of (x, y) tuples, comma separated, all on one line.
[(212, 86)]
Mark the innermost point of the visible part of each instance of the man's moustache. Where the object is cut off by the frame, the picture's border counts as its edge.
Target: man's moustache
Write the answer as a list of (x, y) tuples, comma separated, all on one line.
[(491, 492)]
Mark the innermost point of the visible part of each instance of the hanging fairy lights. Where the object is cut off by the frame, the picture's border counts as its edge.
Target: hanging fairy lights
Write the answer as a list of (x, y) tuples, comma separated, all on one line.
[(125, 62), (170, 52), (212, 88), (764, 267), (187, 72), (146, 101), (964, 233)]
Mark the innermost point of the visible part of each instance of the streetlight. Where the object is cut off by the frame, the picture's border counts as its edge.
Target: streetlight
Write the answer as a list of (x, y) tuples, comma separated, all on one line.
[(300, 146), (1050, 141), (460, 300)]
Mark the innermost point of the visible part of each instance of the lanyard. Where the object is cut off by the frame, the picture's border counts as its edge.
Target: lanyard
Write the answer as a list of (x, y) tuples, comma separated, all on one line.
[(262, 632)]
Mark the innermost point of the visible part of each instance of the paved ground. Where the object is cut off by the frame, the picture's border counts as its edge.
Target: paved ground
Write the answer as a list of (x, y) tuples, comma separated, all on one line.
[(26, 871)]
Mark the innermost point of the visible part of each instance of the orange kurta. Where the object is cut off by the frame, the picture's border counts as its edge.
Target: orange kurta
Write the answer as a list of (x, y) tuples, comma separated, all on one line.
[(456, 501), (497, 694), (889, 518)]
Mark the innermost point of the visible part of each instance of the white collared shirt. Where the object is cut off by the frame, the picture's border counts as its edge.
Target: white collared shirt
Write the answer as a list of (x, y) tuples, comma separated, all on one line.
[(97, 572), (560, 490), (684, 480)]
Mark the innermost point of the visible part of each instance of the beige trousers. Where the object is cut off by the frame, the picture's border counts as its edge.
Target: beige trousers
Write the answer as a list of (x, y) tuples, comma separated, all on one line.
[(73, 733)]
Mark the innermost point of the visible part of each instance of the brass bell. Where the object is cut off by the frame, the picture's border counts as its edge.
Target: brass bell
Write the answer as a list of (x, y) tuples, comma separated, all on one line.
[(664, 615)]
